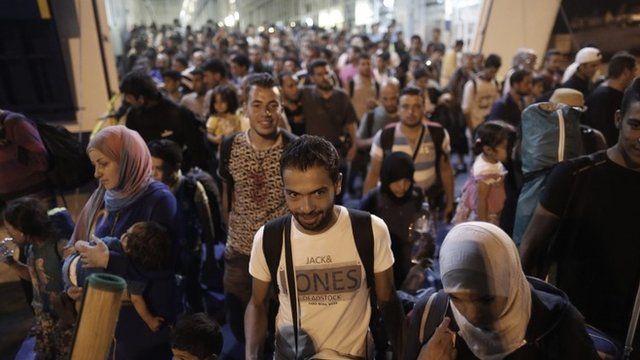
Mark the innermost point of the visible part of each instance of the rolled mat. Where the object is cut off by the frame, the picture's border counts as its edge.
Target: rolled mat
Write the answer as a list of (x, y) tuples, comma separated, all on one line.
[(98, 316)]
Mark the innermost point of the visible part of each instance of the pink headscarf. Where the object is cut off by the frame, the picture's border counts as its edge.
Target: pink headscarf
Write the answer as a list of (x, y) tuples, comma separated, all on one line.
[(129, 150)]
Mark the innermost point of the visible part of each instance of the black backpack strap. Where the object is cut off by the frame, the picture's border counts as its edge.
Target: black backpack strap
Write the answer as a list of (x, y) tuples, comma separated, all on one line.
[(437, 135), (287, 137), (272, 246), (351, 87), (386, 140), (225, 154), (433, 315), (377, 84), (363, 236), (368, 125)]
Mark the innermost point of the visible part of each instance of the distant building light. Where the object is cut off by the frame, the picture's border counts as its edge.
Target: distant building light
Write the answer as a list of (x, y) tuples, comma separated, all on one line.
[(260, 29), (236, 16), (292, 24), (229, 21), (271, 30), (308, 21), (388, 3)]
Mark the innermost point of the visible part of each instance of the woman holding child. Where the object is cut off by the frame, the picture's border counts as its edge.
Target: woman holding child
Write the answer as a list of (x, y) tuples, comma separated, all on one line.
[(126, 195)]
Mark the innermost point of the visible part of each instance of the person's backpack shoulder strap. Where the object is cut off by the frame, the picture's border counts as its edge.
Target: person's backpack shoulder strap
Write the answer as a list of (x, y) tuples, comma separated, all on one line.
[(428, 312), (368, 122), (386, 140), (363, 236), (437, 135), (287, 137), (377, 85), (225, 154), (351, 87), (272, 246)]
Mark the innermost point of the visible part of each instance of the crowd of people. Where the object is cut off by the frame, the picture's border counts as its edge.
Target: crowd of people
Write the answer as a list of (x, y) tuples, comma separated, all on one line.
[(287, 169)]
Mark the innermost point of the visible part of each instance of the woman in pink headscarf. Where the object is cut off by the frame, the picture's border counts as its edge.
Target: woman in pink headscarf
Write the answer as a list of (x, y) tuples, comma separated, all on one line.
[(126, 194)]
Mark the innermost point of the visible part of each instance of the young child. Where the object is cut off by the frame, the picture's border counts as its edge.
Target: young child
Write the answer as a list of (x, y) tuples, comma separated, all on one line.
[(223, 119), (196, 337), (483, 194), (396, 201), (27, 222)]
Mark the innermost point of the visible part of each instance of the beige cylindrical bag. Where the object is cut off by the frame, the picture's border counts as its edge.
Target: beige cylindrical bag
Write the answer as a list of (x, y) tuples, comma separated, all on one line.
[(98, 316)]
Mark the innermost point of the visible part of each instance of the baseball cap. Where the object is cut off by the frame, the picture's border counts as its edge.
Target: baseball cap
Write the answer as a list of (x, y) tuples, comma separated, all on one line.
[(587, 55)]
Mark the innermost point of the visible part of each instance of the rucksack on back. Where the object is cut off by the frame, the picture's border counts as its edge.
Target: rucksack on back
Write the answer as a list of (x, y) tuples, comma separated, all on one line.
[(550, 134), (69, 165)]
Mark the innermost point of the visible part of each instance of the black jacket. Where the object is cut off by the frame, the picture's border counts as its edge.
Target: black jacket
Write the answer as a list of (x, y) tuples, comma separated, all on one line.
[(556, 329)]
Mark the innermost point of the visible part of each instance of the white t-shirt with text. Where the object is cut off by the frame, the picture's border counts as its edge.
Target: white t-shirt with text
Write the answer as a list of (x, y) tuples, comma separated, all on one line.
[(333, 298)]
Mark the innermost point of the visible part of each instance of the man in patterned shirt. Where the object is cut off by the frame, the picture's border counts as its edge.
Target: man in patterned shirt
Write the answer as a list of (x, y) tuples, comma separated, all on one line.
[(252, 189)]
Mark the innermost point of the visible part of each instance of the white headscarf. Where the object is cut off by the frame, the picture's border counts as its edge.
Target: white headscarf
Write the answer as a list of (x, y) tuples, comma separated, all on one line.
[(481, 257)]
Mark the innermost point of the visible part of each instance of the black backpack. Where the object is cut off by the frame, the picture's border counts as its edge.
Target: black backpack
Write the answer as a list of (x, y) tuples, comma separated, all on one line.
[(69, 165), (278, 229)]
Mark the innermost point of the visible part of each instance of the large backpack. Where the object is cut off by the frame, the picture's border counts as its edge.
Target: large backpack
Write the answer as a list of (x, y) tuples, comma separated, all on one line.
[(69, 165), (550, 134), (436, 192), (277, 231)]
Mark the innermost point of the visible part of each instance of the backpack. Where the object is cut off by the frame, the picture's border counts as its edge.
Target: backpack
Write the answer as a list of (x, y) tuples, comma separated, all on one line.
[(436, 192), (363, 235), (69, 165), (225, 154), (433, 306), (550, 135)]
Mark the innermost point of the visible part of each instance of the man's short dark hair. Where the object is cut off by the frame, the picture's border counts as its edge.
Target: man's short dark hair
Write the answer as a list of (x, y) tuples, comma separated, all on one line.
[(631, 95), (215, 66), (169, 152), (459, 42), (518, 76), (620, 62), (137, 83), (182, 59), (241, 60), (416, 37), (411, 91), (172, 74), (551, 52), (198, 335), (420, 72), (262, 80), (308, 151), (316, 64), (196, 71), (493, 61)]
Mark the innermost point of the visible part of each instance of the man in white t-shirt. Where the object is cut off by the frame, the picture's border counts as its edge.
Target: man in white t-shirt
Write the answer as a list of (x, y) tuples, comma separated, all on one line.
[(481, 92), (333, 307)]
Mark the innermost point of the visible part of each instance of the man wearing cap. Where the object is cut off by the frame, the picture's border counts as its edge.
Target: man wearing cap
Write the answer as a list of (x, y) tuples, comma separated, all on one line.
[(586, 224), (579, 74)]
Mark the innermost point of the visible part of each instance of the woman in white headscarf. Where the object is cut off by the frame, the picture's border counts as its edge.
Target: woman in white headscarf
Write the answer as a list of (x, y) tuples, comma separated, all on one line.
[(493, 311)]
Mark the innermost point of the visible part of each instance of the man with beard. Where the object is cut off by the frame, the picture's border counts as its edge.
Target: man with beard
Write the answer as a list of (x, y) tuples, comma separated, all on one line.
[(321, 241), (428, 145), (154, 116), (585, 223), (195, 101), (251, 187), (370, 123), (510, 106), (328, 112)]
